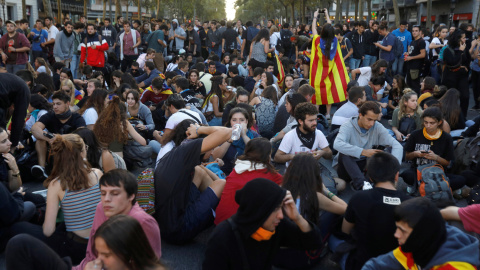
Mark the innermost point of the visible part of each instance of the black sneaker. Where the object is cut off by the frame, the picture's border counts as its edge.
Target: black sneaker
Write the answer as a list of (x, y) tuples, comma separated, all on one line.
[(39, 172), (356, 185)]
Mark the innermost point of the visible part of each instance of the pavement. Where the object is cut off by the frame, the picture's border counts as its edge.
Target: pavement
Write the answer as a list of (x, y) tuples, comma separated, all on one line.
[(190, 256)]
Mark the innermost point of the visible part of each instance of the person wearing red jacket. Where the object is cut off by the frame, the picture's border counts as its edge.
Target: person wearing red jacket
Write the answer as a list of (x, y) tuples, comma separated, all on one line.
[(93, 48)]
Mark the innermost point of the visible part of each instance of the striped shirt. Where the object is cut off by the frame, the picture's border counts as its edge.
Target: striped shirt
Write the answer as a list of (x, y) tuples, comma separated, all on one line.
[(79, 208)]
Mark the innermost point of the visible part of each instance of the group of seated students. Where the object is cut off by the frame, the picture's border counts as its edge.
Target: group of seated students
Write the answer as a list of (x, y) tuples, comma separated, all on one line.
[(188, 119)]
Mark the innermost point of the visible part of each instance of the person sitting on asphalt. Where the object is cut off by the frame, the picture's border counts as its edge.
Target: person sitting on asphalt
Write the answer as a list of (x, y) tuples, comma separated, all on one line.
[(426, 242), (60, 121), (185, 197), (360, 138), (254, 163), (467, 215), (356, 97), (252, 237), (372, 236)]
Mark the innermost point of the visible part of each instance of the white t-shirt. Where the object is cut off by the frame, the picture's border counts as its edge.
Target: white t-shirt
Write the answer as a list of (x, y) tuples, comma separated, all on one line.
[(291, 144), (52, 32), (437, 41), (164, 150), (179, 116), (42, 69), (31, 120), (365, 75), (90, 115)]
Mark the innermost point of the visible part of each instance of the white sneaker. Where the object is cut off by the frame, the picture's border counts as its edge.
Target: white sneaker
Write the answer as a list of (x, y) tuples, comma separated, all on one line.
[(367, 185)]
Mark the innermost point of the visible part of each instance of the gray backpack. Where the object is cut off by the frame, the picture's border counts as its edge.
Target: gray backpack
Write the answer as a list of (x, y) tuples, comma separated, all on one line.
[(467, 154), (433, 183), (119, 162)]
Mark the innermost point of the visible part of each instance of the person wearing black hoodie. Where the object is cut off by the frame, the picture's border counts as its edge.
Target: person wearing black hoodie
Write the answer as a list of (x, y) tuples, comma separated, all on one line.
[(251, 238), (109, 33), (426, 242)]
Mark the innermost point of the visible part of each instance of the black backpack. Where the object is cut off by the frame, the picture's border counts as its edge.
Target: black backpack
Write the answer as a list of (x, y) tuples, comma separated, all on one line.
[(285, 41), (406, 125), (398, 49)]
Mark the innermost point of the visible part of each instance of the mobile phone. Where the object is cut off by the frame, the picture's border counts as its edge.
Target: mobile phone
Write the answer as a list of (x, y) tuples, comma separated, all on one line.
[(424, 152), (48, 135)]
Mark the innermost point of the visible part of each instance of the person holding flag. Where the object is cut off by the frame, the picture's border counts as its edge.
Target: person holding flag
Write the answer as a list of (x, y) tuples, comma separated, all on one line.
[(328, 74)]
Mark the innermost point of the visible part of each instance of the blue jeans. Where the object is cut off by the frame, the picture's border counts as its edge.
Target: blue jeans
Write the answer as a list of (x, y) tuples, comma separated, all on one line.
[(369, 60), (74, 66), (156, 146), (354, 63), (217, 51), (333, 243), (216, 121), (14, 68), (397, 67)]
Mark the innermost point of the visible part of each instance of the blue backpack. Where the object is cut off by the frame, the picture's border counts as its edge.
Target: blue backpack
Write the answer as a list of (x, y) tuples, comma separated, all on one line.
[(252, 32)]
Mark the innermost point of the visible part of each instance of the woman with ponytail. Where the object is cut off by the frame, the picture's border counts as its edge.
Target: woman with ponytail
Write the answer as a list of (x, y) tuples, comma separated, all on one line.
[(112, 127), (407, 117), (73, 185)]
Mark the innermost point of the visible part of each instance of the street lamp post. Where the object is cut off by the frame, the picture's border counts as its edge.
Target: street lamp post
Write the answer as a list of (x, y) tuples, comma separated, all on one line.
[(452, 8)]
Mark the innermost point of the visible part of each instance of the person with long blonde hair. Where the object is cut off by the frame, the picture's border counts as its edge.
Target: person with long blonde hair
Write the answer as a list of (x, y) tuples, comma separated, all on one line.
[(408, 108), (69, 88)]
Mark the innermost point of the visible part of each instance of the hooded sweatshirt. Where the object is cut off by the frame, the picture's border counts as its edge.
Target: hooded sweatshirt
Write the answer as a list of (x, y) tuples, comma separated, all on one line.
[(243, 173), (351, 140), (64, 45), (459, 251), (230, 248)]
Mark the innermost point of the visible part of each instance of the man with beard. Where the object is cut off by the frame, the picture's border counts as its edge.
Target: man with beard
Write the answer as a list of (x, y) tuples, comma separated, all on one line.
[(15, 57), (426, 242), (359, 138), (304, 138), (60, 121), (64, 45), (93, 49)]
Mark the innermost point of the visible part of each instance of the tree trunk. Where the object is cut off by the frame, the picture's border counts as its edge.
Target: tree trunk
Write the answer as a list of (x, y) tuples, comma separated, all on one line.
[(429, 15), (397, 12), (126, 10), (338, 11), (304, 6), (293, 14), (347, 10), (85, 9), (104, 9), (118, 9), (360, 10), (48, 8), (139, 4), (369, 10), (158, 9), (59, 3), (356, 10), (24, 8)]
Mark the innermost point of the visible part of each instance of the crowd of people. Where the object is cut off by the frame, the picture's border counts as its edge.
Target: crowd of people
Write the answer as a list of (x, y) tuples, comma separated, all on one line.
[(214, 109)]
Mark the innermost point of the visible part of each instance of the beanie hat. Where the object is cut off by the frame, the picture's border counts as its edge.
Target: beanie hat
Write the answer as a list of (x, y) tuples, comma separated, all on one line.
[(256, 200)]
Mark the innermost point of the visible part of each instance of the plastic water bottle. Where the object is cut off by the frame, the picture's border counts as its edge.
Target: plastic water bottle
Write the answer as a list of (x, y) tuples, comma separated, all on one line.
[(236, 132)]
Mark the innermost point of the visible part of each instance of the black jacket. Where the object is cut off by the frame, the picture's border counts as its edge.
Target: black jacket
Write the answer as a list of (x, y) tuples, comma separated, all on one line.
[(223, 250), (358, 44)]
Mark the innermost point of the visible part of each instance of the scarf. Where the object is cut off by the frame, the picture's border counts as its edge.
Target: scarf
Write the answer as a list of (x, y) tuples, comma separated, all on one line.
[(306, 139), (66, 33), (432, 137), (213, 73), (242, 166), (262, 235), (34, 114), (240, 144), (64, 116)]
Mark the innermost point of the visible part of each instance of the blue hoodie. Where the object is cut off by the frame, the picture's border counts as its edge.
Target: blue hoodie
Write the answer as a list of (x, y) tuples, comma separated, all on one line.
[(405, 37), (459, 251)]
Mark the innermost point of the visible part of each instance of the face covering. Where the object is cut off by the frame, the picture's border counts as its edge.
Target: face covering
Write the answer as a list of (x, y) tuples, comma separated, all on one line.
[(64, 116), (262, 235)]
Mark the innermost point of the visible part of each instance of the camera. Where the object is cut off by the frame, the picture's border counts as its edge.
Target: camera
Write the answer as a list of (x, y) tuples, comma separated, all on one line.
[(321, 10)]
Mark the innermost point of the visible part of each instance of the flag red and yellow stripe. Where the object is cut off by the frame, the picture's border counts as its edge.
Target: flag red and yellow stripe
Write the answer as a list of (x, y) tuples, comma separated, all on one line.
[(281, 71), (328, 77)]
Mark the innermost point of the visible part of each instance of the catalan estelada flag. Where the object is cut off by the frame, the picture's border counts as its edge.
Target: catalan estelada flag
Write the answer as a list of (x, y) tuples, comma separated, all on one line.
[(328, 74), (281, 71)]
